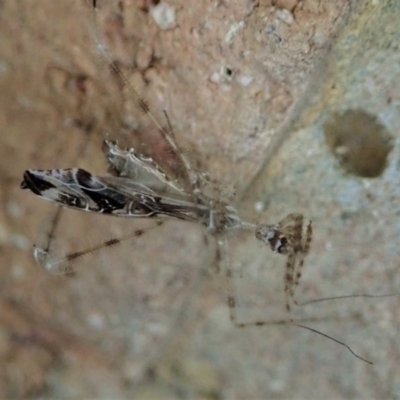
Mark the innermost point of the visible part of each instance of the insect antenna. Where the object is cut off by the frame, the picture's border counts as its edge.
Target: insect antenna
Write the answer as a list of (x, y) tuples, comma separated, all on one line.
[(349, 296), (232, 304), (335, 340)]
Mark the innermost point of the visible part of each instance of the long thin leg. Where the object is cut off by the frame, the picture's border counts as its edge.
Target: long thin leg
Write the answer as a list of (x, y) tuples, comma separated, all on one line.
[(191, 175), (50, 225), (292, 227), (305, 248), (290, 269), (46, 259), (232, 304), (286, 237), (48, 232)]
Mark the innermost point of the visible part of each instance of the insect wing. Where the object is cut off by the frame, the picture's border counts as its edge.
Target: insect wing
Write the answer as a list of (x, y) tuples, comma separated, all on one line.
[(138, 168), (77, 188)]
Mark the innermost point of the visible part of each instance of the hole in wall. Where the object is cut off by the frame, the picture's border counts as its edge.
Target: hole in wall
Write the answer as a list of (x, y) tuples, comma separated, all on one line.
[(359, 141)]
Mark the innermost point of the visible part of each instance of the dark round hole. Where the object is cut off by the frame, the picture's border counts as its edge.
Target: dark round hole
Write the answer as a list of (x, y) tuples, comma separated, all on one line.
[(359, 141)]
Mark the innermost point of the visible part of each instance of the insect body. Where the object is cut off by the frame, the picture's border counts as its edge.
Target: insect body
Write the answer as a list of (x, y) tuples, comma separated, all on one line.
[(142, 190)]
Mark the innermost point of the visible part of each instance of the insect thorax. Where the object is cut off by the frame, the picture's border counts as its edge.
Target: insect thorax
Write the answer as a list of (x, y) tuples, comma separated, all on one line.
[(269, 234)]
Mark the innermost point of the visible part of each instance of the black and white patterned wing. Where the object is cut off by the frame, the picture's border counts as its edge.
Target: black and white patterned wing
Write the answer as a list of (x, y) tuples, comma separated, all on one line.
[(122, 197)]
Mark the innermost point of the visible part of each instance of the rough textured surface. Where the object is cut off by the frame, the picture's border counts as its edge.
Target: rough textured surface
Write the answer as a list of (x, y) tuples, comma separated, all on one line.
[(249, 87)]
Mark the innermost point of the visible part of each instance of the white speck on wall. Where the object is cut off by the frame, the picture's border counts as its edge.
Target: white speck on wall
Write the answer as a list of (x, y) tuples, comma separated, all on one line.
[(366, 183), (164, 15), (17, 272), (19, 241), (285, 16), (259, 206), (14, 210), (233, 30), (376, 214), (96, 321), (222, 78), (245, 80), (215, 77)]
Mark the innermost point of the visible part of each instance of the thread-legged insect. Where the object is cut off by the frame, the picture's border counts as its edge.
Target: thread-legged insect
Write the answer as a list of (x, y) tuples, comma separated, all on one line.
[(141, 188)]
